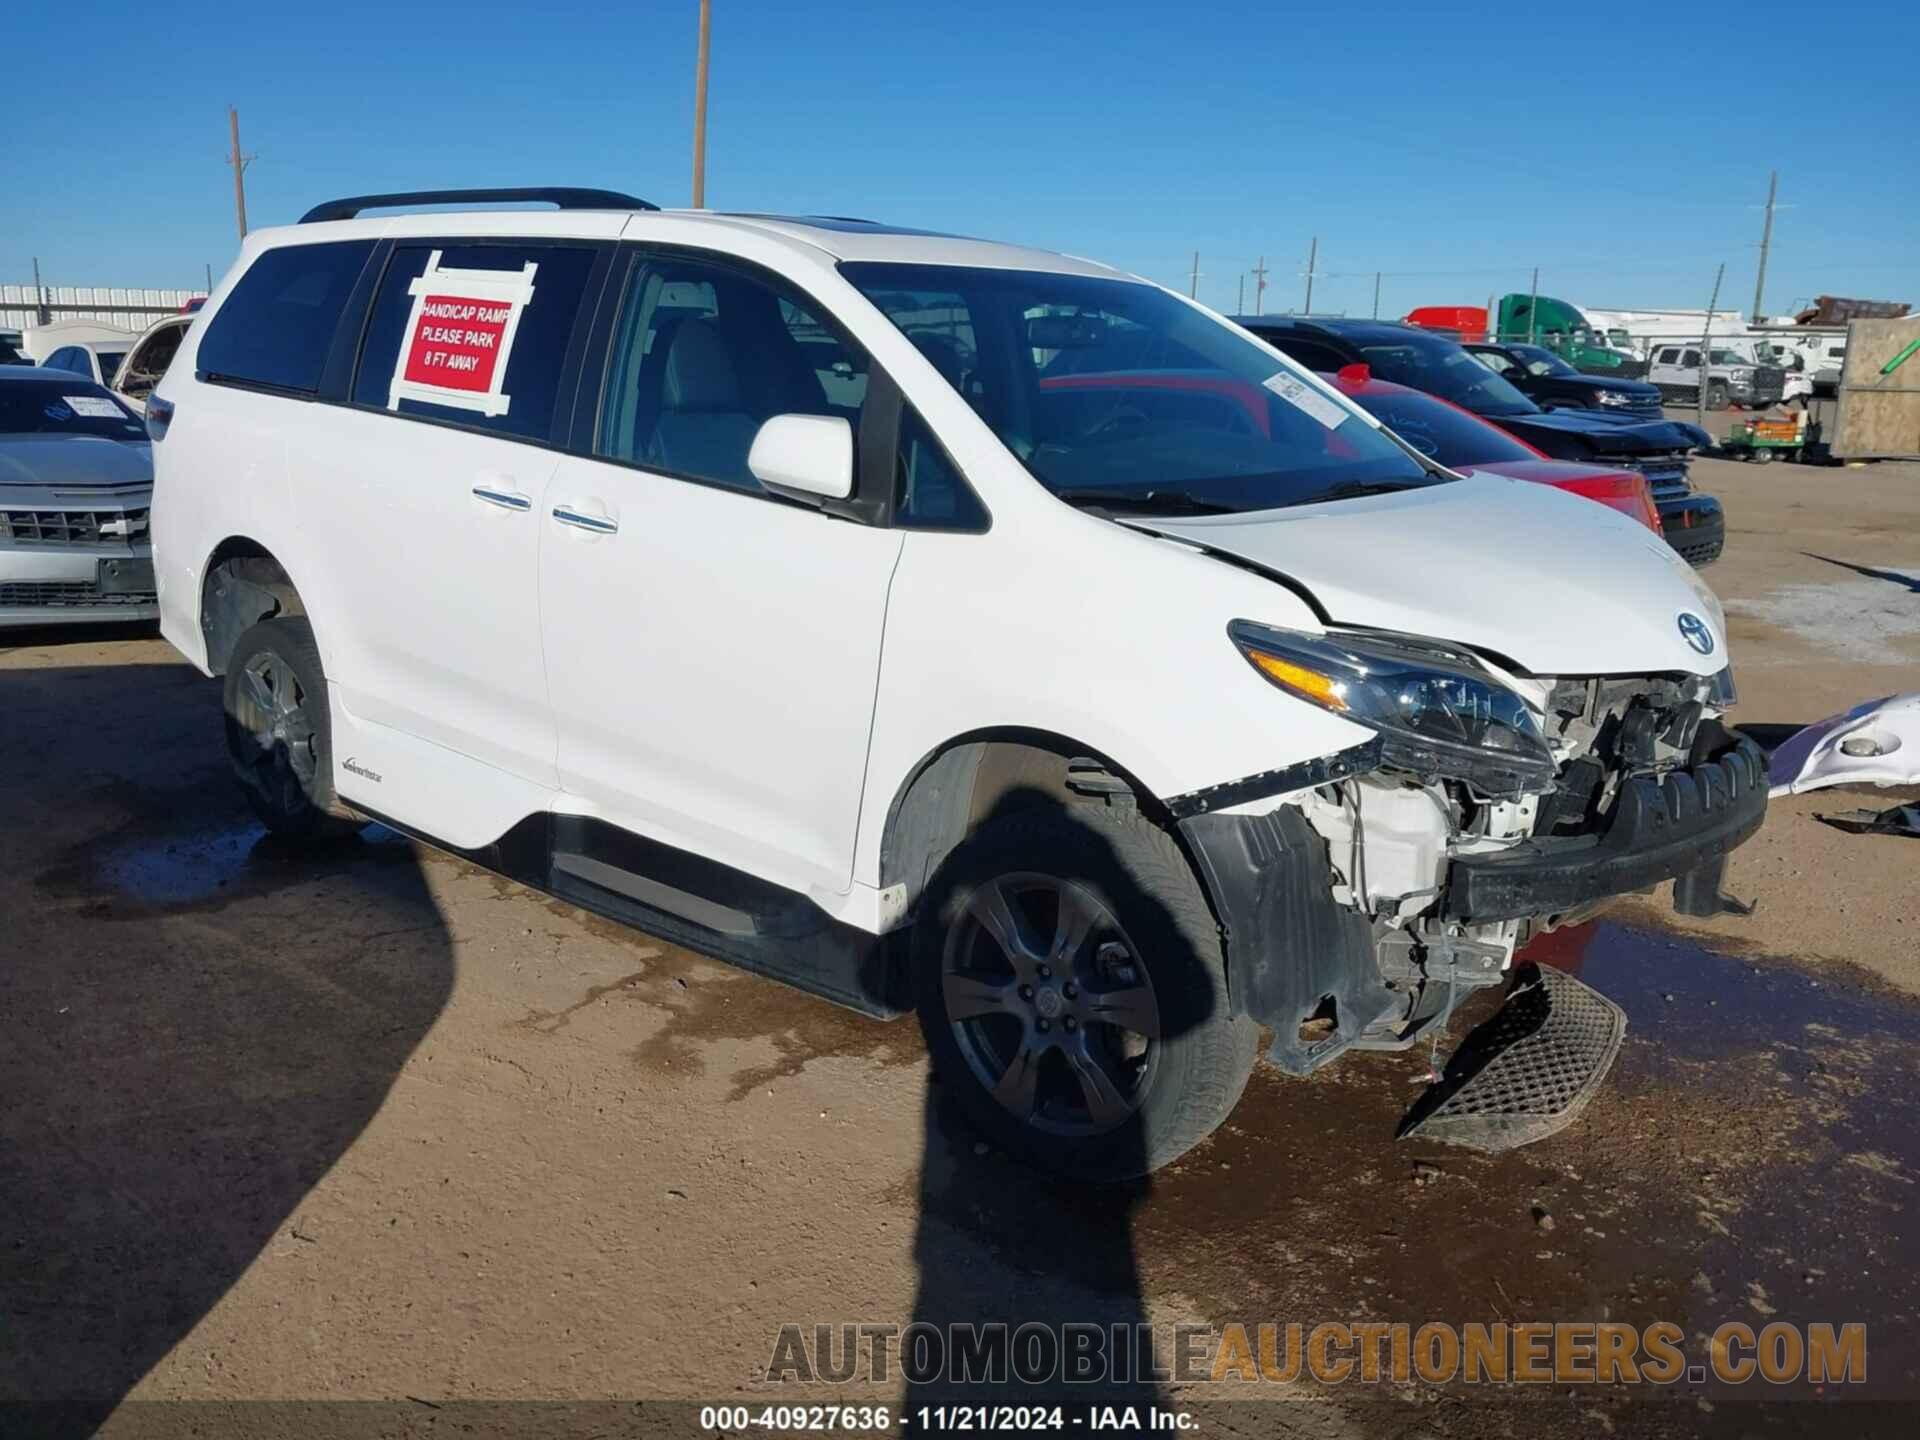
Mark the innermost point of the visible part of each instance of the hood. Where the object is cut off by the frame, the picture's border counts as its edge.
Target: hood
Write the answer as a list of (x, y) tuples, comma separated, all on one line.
[(1604, 432), (1554, 583), (74, 462)]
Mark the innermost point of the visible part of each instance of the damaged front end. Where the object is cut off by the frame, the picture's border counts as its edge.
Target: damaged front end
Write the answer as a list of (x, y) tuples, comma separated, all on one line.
[(1365, 895)]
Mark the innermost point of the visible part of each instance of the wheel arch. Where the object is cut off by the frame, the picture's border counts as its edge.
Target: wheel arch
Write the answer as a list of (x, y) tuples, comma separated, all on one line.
[(242, 584), (962, 782)]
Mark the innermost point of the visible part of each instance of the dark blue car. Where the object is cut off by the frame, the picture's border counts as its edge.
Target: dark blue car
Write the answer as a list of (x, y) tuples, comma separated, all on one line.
[(1659, 449)]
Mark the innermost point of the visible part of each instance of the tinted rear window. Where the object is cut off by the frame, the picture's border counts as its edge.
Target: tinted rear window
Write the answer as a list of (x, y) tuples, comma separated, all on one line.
[(1442, 431), (276, 326)]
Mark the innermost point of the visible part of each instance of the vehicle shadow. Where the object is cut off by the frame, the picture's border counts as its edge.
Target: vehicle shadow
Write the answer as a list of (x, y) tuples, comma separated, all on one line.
[(195, 1025), (1892, 577), (1001, 1244)]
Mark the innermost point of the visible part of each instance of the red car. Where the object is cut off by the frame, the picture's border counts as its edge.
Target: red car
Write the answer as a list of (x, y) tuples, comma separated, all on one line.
[(1456, 438), (1461, 440)]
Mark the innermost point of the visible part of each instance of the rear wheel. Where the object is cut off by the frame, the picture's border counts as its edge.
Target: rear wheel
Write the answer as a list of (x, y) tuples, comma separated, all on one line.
[(1717, 397), (1072, 989), (279, 731)]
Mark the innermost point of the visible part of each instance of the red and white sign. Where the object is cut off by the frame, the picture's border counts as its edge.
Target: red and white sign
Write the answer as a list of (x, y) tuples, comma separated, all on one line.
[(459, 337)]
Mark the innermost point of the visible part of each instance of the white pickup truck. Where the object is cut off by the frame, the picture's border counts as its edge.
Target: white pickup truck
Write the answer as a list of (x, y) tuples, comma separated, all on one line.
[(1733, 376)]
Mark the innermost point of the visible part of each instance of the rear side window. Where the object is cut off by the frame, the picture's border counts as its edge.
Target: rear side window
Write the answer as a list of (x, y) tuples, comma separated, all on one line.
[(474, 335), (277, 324)]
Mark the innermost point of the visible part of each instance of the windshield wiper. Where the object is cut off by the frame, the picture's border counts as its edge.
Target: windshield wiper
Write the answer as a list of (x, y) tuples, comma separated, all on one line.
[(1144, 502), (1349, 489)]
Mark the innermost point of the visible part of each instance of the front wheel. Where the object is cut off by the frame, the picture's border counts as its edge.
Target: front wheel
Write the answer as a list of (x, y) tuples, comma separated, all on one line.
[(1071, 985), (1717, 396), (279, 731)]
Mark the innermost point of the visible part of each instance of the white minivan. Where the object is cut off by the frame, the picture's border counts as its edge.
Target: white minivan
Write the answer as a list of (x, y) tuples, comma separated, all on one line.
[(931, 624)]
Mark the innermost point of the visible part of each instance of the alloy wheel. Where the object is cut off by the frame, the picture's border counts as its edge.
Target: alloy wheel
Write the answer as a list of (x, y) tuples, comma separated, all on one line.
[(1051, 1004), (282, 764)]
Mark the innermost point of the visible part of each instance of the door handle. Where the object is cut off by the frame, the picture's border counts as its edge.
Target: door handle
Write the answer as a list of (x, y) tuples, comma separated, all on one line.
[(593, 524), (505, 499)]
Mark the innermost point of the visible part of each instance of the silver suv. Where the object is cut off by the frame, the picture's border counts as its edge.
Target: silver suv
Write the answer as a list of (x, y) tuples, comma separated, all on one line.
[(76, 481)]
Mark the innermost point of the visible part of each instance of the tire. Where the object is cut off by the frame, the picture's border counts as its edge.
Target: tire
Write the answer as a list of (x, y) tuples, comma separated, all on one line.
[(1717, 398), (279, 731), (1142, 950)]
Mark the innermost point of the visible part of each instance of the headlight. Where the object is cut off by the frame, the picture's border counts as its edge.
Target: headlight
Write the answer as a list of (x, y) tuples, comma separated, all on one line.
[(1614, 397), (1721, 693), (1438, 711), (1740, 377)]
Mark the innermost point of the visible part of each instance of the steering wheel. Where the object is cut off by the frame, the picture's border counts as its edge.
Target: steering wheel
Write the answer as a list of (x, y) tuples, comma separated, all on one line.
[(1121, 417)]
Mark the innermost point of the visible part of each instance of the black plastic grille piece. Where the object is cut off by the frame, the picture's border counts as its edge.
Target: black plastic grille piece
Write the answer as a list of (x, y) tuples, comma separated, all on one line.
[(1527, 1072), (71, 528), (67, 594)]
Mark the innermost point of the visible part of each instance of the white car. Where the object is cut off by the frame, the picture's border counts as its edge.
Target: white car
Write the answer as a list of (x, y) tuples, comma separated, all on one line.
[(929, 623), (94, 360)]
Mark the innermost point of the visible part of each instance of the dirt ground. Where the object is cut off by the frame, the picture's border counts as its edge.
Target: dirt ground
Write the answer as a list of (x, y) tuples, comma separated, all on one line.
[(383, 1127)]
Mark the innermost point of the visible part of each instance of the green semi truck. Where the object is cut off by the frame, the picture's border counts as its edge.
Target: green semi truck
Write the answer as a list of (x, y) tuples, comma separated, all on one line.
[(1561, 327)]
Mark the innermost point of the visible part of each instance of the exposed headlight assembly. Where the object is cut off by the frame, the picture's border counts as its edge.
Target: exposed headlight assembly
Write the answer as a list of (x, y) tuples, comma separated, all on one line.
[(1614, 397), (1438, 711)]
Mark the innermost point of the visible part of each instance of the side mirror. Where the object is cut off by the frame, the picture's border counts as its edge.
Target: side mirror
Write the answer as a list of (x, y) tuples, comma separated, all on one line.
[(804, 456)]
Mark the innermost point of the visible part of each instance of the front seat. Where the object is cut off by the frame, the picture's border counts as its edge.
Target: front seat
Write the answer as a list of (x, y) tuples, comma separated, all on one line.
[(704, 427)]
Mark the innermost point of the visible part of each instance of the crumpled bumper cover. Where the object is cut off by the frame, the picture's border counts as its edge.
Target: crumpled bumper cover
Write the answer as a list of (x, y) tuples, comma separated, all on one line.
[(1662, 829)]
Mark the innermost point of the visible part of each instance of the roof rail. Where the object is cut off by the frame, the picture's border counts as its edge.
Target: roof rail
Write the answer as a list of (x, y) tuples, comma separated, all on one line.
[(562, 196)]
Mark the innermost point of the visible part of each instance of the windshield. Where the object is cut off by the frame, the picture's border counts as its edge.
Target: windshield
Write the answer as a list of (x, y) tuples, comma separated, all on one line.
[(1730, 357), (1542, 361), (64, 405), (1442, 368), (1116, 394), (1442, 432)]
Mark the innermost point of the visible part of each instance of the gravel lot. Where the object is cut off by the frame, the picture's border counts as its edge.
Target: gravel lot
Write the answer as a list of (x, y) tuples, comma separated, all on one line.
[(386, 1127)]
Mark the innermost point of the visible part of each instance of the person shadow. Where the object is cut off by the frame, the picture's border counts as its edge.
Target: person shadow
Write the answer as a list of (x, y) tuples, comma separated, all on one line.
[(1029, 1287), (196, 1023)]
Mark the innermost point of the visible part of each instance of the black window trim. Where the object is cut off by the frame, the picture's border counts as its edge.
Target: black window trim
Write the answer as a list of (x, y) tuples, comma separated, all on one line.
[(349, 341), (876, 455)]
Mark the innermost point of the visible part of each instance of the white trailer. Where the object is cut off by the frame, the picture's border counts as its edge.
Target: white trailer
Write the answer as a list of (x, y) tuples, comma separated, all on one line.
[(1638, 330)]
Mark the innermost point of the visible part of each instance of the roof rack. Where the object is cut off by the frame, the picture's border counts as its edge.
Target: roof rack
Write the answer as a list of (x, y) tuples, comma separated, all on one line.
[(562, 196)]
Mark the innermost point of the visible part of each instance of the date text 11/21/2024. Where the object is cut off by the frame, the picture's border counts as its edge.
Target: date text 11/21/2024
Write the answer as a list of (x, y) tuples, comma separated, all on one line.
[(943, 1419)]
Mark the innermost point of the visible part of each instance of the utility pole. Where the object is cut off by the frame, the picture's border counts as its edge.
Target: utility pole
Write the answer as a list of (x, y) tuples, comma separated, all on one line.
[(209, 277), (239, 172), (1313, 254), (1260, 287), (1766, 239), (1533, 307), (41, 313), (1376, 294), (1706, 352), (1193, 281), (700, 109), (1240, 305)]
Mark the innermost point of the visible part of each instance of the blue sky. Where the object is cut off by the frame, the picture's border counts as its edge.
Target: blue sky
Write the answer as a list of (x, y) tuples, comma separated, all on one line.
[(1623, 150)]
